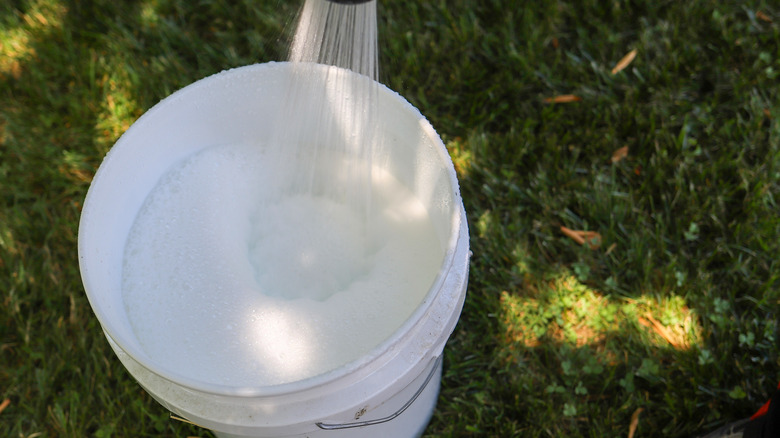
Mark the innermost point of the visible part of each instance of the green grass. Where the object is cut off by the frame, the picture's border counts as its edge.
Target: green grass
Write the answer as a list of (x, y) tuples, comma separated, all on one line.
[(555, 339)]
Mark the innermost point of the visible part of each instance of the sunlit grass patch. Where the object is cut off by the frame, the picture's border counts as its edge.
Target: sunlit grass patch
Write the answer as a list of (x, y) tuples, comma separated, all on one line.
[(461, 156), (119, 108), (591, 355), (149, 16), (563, 310), (16, 38)]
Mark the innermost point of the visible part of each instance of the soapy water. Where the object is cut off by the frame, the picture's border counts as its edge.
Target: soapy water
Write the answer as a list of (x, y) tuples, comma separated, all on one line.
[(308, 247), (228, 282)]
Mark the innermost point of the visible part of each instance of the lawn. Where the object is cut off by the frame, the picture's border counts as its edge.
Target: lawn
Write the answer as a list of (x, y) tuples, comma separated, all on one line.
[(660, 321)]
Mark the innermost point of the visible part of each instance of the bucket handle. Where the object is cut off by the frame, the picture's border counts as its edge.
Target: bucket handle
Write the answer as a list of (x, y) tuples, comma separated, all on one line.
[(338, 426)]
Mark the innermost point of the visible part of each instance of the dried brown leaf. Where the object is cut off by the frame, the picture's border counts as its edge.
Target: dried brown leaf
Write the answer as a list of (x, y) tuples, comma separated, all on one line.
[(4, 404), (634, 422), (573, 235), (655, 325), (590, 238), (619, 154), (593, 239), (564, 98), (624, 62), (761, 15)]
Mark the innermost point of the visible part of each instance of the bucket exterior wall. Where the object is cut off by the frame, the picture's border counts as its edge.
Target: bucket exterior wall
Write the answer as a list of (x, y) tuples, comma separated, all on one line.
[(371, 388), (411, 423)]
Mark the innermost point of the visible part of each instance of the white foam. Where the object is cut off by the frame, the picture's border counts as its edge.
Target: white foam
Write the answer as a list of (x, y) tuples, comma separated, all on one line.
[(227, 282)]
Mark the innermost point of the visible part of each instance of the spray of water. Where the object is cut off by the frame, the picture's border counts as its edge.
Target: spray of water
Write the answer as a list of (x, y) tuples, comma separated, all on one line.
[(325, 160), (332, 146), (344, 35)]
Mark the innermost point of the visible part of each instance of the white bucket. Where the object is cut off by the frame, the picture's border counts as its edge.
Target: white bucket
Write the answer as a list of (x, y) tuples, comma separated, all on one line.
[(392, 390)]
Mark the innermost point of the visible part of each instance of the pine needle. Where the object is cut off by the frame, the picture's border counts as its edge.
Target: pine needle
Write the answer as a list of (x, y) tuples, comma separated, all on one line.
[(634, 422), (564, 98), (623, 63), (656, 326), (4, 404), (590, 238)]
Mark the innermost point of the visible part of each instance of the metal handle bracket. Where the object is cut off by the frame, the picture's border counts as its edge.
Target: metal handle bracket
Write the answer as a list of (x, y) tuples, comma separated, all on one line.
[(338, 426)]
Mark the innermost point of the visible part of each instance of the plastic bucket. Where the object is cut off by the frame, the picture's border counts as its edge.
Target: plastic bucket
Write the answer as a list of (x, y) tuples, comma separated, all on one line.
[(392, 390)]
